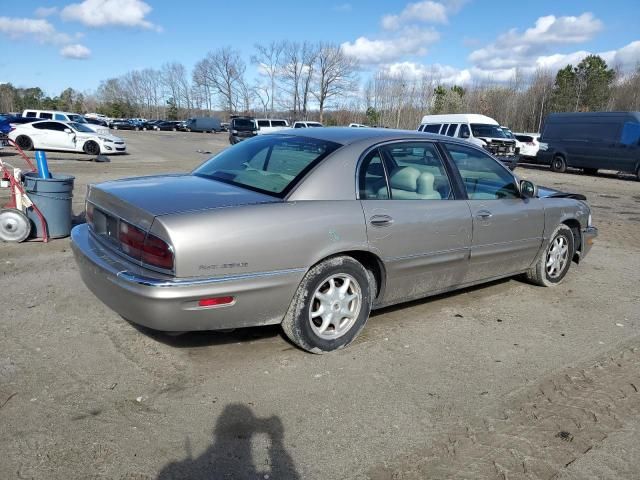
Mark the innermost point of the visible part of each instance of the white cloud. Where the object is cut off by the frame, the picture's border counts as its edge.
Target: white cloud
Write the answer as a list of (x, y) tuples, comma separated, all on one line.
[(105, 13), (426, 11), (516, 49), (38, 29), (412, 41), (75, 51), (46, 11)]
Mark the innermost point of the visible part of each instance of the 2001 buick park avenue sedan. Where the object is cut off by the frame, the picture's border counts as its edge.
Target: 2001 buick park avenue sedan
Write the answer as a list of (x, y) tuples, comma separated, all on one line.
[(313, 228)]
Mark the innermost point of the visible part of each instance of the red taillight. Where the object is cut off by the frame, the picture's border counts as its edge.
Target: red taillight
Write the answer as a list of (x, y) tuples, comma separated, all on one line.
[(143, 246), (157, 252), (214, 302)]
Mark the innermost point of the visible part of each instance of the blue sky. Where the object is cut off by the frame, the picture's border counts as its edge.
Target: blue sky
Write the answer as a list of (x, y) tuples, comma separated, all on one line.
[(78, 43)]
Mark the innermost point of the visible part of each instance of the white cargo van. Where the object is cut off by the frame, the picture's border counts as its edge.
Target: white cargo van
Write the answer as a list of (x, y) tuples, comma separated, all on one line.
[(478, 129), (268, 125), (64, 117)]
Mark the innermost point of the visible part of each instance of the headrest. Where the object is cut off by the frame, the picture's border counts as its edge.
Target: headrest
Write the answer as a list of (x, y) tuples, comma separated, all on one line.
[(425, 183), (405, 178)]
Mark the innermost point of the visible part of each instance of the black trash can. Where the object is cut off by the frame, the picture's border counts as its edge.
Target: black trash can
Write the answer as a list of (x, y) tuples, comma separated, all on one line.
[(53, 198)]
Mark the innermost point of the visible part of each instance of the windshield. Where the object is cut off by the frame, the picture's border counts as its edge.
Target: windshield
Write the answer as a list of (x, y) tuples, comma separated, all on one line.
[(79, 127), (76, 119), (244, 123), (485, 130), (269, 164)]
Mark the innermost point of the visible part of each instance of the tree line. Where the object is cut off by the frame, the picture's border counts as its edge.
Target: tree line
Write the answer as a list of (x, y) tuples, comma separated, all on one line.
[(317, 81)]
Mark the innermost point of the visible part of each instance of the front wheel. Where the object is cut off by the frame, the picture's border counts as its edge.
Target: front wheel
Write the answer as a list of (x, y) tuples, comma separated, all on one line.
[(331, 305), (558, 164), (91, 148), (553, 264)]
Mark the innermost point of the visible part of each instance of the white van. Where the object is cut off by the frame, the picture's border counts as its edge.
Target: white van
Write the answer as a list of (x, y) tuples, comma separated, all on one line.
[(64, 117), (268, 125), (478, 129)]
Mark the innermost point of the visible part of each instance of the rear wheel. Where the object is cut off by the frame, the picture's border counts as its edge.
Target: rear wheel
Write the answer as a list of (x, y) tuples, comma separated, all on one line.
[(24, 142), (91, 148), (14, 225), (331, 305), (553, 264), (558, 164)]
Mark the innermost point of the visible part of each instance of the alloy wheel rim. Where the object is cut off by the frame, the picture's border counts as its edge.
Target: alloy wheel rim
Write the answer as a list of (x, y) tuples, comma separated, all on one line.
[(335, 306), (557, 256)]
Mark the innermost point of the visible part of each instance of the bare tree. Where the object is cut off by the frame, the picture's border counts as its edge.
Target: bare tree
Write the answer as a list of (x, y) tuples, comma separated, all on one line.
[(336, 74), (225, 72), (268, 60)]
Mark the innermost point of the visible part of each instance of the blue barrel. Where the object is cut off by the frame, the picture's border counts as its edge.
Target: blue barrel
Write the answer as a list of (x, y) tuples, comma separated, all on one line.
[(53, 198)]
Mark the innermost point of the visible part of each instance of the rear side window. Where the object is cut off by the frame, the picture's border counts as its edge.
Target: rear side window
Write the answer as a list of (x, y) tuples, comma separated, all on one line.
[(59, 127), (46, 116), (31, 114), (452, 130), (524, 138), (433, 128), (300, 125), (263, 123), (373, 183), (443, 130), (278, 123)]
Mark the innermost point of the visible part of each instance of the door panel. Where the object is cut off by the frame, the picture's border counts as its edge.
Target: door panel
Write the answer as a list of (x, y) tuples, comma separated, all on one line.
[(425, 245), (507, 235)]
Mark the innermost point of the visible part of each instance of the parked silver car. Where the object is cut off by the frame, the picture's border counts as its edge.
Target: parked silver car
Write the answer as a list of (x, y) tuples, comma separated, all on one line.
[(313, 228)]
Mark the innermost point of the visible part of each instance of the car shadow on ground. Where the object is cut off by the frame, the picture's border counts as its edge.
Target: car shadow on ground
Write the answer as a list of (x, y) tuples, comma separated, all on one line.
[(250, 334), (230, 454)]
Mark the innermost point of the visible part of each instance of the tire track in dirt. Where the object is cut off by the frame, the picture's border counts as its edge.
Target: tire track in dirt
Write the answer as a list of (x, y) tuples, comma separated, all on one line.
[(540, 431)]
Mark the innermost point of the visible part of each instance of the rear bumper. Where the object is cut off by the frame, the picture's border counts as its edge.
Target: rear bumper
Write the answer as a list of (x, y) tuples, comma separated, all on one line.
[(168, 304), (589, 235)]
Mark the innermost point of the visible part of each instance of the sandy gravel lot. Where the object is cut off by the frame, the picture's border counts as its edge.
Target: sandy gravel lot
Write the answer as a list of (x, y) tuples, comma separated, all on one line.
[(501, 381)]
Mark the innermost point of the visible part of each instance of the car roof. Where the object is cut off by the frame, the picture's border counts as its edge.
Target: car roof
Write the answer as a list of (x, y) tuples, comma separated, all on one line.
[(459, 118), (347, 135)]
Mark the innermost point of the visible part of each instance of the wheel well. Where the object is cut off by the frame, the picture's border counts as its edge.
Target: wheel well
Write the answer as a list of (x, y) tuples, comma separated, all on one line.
[(574, 225), (372, 263)]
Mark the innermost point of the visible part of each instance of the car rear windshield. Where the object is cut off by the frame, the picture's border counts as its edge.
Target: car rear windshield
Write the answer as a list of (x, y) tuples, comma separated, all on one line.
[(486, 130), (270, 164)]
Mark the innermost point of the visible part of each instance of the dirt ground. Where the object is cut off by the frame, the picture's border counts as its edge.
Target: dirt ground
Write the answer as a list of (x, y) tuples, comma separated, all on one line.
[(501, 381)]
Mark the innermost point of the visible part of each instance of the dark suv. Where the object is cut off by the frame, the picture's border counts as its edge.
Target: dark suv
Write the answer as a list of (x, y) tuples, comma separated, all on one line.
[(242, 128)]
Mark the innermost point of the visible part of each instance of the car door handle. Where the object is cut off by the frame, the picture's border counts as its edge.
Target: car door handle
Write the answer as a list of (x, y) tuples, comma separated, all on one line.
[(381, 220), (484, 214)]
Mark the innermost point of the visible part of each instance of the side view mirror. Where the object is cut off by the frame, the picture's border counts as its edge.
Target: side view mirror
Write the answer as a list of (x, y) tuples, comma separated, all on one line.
[(67, 130), (528, 189)]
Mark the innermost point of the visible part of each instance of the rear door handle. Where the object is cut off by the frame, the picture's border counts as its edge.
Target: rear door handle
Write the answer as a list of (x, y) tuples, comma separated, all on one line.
[(484, 214), (381, 220)]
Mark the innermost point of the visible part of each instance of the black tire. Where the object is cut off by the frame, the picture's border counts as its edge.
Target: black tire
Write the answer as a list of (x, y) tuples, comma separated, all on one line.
[(299, 323), (638, 173), (24, 142), (91, 148), (539, 273), (14, 225), (590, 171), (559, 164)]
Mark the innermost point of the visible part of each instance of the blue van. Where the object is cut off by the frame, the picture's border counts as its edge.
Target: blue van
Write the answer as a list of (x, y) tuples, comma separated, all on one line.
[(591, 141), (203, 124)]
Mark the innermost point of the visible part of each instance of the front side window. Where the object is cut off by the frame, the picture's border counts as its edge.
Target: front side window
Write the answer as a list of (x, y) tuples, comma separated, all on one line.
[(630, 134), (300, 125), (484, 177), (464, 131), (270, 164), (415, 171), (61, 117)]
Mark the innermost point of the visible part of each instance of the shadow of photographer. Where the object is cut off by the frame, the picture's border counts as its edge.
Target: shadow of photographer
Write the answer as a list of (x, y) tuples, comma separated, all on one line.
[(230, 455)]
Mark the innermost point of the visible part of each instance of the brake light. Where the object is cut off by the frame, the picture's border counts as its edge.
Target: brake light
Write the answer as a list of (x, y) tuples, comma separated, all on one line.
[(145, 247), (215, 302)]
